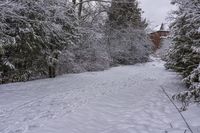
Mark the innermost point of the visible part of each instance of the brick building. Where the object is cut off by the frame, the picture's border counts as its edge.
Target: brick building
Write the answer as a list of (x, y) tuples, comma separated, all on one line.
[(158, 35)]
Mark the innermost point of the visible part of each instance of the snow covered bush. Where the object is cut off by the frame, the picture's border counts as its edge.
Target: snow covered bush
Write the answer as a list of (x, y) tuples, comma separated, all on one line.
[(184, 55), (30, 34), (129, 46), (92, 54)]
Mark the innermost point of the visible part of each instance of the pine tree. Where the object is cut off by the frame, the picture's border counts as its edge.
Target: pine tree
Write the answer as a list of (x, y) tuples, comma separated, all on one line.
[(31, 32), (125, 13), (184, 56)]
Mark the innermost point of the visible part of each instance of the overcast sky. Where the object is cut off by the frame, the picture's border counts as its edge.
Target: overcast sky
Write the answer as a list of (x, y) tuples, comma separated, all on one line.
[(156, 11)]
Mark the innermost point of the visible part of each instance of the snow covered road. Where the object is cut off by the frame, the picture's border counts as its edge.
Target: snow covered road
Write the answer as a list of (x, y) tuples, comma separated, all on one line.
[(125, 99)]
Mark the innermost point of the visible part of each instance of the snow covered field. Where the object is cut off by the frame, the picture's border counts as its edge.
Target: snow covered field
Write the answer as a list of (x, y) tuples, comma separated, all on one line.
[(125, 99)]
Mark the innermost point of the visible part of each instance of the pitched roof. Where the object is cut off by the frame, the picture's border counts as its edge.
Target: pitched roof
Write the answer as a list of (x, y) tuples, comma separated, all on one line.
[(162, 27)]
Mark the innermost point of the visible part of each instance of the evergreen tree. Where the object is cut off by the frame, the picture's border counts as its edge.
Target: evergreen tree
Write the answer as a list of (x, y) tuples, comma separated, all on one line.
[(31, 35), (125, 13), (184, 55)]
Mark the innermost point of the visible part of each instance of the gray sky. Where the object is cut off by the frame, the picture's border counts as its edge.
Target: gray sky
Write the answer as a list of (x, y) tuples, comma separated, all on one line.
[(156, 10)]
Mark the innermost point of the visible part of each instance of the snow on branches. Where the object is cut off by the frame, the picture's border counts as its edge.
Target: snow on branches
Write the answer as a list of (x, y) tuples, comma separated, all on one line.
[(41, 37), (30, 31), (184, 56)]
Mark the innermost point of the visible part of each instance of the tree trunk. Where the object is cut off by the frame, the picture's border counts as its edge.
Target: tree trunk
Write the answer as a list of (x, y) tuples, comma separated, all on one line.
[(80, 8), (52, 72)]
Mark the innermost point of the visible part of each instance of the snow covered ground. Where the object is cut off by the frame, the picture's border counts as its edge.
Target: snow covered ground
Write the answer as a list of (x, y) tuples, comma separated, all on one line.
[(125, 99)]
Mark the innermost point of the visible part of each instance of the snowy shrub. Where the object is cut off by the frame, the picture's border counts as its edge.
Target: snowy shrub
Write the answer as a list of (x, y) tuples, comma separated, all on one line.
[(92, 53), (68, 63), (129, 46), (184, 55)]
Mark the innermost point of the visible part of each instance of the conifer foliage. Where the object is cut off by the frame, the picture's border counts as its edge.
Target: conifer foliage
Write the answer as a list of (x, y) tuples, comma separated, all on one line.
[(125, 13), (184, 55), (31, 35)]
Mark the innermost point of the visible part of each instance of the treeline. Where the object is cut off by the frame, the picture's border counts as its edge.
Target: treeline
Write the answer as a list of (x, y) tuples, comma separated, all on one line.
[(184, 55), (44, 38)]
